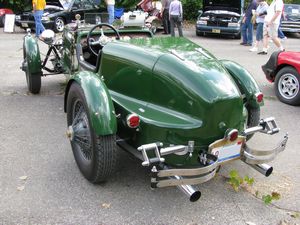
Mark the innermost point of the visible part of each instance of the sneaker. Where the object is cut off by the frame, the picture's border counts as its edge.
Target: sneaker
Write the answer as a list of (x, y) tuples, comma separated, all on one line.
[(247, 44), (254, 49), (242, 43), (262, 53), (283, 39)]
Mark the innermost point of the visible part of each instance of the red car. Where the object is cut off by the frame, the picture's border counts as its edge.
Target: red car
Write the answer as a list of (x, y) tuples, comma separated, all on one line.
[(3, 12), (283, 68)]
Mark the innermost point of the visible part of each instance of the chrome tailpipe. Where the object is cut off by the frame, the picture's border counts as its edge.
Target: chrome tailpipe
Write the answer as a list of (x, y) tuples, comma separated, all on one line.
[(193, 194), (264, 169)]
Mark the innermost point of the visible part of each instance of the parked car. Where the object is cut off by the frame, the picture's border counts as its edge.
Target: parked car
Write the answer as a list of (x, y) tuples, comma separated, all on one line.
[(291, 21), (283, 69), (220, 17), (166, 100), (58, 13), (3, 12)]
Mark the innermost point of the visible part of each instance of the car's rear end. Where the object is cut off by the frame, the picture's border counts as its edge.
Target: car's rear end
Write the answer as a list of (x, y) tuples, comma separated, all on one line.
[(191, 114)]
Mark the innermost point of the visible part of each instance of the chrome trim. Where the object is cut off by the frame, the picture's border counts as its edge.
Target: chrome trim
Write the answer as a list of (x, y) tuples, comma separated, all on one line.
[(253, 156), (189, 191), (264, 169), (187, 181), (174, 149), (268, 126), (188, 172)]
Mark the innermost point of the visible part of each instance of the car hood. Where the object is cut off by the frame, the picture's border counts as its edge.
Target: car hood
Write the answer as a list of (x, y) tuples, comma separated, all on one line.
[(59, 4), (227, 5)]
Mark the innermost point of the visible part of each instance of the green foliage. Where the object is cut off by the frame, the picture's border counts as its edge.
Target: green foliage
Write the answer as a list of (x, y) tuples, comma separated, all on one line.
[(269, 198), (191, 8), (126, 4), (236, 181), (16, 5)]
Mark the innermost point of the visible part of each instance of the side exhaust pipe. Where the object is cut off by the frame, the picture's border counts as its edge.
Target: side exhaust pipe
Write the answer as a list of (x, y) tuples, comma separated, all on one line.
[(189, 191), (264, 169)]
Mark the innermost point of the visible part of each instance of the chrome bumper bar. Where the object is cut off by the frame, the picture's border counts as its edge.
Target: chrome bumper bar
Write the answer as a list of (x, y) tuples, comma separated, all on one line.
[(165, 177), (188, 176), (253, 156)]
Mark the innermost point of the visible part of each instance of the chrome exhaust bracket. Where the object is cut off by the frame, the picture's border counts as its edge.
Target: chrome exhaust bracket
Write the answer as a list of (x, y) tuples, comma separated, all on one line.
[(267, 126), (254, 156)]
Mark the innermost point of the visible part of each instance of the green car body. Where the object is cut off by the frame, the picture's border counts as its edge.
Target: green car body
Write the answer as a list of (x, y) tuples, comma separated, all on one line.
[(186, 101)]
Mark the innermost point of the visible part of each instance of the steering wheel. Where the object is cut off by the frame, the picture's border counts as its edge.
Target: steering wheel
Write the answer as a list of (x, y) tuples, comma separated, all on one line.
[(103, 40)]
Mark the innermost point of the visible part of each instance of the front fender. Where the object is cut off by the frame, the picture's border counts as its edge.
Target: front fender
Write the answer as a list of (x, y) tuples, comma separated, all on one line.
[(244, 81), (99, 102), (32, 53)]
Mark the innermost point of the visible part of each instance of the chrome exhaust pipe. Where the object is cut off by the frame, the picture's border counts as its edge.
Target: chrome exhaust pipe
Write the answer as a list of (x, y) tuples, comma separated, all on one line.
[(264, 169), (189, 191)]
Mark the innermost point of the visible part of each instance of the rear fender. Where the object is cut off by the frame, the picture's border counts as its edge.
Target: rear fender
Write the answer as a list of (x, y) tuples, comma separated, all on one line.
[(32, 54), (99, 102), (244, 81)]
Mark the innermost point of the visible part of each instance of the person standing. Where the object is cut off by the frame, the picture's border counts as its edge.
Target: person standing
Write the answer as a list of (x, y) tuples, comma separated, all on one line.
[(280, 33), (260, 13), (271, 25), (247, 26), (111, 10), (38, 7), (165, 15), (175, 17)]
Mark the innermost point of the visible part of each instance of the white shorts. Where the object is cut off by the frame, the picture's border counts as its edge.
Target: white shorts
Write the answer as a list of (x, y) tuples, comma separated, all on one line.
[(271, 30)]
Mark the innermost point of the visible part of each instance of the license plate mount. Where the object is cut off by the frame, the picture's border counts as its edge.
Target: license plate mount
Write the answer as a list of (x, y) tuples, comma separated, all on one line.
[(226, 150)]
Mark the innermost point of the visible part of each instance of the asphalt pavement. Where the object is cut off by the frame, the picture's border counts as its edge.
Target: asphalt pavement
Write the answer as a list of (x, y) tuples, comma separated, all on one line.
[(41, 184)]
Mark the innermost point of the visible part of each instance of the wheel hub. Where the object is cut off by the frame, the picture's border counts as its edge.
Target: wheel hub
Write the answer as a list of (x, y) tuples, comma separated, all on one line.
[(70, 133)]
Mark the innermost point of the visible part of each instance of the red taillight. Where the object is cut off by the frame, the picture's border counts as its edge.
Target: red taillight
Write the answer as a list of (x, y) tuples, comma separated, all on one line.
[(133, 121), (232, 135), (259, 97)]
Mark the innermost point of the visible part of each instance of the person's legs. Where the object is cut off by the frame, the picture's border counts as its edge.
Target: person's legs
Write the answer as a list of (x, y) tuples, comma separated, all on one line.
[(250, 33), (265, 40), (39, 27), (244, 33), (274, 35), (172, 26), (178, 22), (280, 33), (111, 13), (166, 22)]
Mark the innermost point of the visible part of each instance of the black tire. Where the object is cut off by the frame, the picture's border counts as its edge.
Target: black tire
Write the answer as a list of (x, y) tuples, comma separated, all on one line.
[(198, 33), (59, 24), (287, 85), (33, 79), (95, 156), (237, 36), (253, 118)]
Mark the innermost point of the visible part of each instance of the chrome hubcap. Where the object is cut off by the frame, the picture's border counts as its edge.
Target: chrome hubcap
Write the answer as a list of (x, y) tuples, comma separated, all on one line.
[(288, 86), (59, 25)]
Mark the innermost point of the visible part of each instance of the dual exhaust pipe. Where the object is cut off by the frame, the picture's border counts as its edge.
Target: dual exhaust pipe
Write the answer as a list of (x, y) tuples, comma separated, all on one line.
[(194, 195)]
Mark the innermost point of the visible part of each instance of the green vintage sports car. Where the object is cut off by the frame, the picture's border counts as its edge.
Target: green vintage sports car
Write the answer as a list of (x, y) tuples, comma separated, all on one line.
[(166, 100)]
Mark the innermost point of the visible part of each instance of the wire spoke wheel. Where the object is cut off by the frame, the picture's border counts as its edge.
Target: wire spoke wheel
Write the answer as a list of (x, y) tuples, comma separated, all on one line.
[(94, 154), (81, 137)]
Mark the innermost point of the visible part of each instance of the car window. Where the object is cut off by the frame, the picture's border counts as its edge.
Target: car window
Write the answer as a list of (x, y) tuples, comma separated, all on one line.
[(83, 4), (292, 9)]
